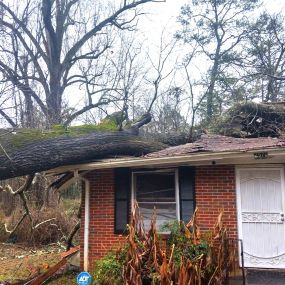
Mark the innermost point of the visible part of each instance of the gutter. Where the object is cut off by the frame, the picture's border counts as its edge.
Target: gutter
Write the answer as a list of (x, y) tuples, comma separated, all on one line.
[(164, 161), (86, 219)]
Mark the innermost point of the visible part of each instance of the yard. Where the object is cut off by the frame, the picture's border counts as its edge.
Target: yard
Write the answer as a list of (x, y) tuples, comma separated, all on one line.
[(20, 262)]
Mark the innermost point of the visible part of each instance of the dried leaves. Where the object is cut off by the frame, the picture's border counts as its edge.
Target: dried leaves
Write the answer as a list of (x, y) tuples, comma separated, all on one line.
[(189, 260)]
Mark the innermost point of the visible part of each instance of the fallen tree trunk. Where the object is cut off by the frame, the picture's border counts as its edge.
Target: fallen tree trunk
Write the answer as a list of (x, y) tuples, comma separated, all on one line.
[(44, 154)]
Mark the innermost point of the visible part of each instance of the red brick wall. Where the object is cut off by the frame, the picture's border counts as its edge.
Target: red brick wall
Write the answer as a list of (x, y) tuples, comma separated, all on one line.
[(215, 190), (101, 230)]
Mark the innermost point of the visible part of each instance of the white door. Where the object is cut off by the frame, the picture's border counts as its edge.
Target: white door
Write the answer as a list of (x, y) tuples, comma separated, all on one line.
[(261, 216)]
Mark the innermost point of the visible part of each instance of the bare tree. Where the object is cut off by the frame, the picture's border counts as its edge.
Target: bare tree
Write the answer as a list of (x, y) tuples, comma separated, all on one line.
[(161, 67), (125, 69), (5, 109), (195, 97), (46, 43), (131, 73)]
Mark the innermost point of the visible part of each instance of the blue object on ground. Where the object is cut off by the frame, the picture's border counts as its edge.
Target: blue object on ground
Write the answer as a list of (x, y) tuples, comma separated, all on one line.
[(84, 278)]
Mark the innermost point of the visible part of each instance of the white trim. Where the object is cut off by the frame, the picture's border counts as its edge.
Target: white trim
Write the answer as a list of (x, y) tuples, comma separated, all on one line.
[(86, 219), (238, 205), (86, 224), (154, 171), (283, 192), (167, 161), (177, 198), (259, 166), (238, 168)]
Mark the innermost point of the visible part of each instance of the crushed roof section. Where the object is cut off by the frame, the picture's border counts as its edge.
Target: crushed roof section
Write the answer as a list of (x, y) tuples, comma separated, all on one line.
[(217, 143)]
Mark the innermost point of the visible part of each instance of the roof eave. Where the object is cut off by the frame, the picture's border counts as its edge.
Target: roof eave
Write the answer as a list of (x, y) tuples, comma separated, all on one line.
[(164, 161)]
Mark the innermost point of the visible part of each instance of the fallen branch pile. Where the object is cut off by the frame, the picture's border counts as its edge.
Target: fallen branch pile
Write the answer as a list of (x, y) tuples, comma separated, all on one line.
[(252, 120)]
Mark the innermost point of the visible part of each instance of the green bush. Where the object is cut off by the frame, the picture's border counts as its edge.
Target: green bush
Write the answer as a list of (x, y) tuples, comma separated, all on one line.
[(184, 247), (108, 270)]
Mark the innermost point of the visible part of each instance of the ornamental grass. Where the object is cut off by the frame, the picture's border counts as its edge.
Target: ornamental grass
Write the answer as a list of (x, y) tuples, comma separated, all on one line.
[(182, 257)]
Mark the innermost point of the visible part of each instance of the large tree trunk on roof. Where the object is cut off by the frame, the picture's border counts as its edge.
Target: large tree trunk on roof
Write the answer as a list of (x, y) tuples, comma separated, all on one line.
[(41, 155)]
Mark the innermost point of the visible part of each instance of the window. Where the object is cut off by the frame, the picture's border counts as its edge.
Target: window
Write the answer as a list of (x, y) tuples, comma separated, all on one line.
[(171, 191), (157, 189)]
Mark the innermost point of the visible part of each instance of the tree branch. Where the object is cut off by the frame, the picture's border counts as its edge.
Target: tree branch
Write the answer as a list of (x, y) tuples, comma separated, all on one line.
[(275, 77), (8, 119), (85, 109), (13, 77), (25, 29), (76, 47)]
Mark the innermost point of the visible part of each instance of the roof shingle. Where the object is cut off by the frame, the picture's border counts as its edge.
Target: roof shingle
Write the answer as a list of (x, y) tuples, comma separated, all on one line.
[(217, 143)]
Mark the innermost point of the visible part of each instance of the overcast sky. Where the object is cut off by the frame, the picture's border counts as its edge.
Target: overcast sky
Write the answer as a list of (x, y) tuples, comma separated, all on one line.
[(162, 14)]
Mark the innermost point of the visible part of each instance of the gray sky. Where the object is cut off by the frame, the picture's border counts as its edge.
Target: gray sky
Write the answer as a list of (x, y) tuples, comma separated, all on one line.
[(162, 14)]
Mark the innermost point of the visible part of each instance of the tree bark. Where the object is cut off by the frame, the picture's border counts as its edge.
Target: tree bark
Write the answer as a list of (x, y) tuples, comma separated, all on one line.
[(46, 154)]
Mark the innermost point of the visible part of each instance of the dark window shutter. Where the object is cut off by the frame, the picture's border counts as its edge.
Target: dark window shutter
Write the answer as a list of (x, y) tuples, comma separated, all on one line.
[(187, 192), (122, 198)]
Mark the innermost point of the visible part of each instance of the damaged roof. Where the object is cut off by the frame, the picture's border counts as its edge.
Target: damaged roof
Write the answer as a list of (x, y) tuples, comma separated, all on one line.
[(217, 143), (207, 149)]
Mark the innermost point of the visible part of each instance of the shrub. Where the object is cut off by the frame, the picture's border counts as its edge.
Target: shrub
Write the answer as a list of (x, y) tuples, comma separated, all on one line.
[(186, 258), (108, 270), (183, 245)]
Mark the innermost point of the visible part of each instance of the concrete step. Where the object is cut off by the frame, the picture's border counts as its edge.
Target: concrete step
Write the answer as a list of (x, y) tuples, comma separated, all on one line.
[(265, 277), (260, 277)]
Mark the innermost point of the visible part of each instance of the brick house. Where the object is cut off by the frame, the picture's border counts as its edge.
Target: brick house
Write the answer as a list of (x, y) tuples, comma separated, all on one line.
[(244, 177)]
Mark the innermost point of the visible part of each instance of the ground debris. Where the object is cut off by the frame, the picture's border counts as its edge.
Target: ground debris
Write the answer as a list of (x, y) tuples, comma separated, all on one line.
[(24, 265)]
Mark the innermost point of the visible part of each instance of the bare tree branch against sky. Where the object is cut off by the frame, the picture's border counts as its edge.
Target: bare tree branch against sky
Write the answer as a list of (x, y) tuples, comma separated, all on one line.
[(145, 32)]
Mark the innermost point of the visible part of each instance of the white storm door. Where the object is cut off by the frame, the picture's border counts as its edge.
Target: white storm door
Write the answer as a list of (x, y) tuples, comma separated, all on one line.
[(260, 193)]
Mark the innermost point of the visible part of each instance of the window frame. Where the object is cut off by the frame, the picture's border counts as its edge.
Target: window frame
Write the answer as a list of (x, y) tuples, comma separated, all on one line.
[(176, 183)]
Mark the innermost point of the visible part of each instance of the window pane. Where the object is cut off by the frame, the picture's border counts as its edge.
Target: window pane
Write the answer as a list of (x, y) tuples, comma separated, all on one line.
[(164, 213), (155, 187)]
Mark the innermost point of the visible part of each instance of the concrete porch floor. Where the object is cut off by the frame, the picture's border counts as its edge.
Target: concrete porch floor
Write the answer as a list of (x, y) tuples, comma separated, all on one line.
[(260, 277)]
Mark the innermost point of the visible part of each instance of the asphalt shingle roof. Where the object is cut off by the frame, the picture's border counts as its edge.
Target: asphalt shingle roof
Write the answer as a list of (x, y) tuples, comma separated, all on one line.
[(217, 143)]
